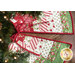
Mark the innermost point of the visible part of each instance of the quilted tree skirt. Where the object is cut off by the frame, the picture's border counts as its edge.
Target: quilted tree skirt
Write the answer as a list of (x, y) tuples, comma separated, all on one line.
[(41, 50), (53, 22)]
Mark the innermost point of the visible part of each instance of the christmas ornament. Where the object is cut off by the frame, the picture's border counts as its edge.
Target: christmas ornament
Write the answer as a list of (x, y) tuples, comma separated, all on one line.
[(57, 22), (40, 48)]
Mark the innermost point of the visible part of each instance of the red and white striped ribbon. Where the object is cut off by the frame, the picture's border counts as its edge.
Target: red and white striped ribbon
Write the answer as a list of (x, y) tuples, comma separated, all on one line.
[(13, 47), (33, 43), (43, 20), (48, 13), (43, 27)]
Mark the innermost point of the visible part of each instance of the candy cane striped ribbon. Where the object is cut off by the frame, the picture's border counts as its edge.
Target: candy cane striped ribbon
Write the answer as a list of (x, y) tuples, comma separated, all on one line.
[(13, 47), (48, 13), (43, 27), (33, 43)]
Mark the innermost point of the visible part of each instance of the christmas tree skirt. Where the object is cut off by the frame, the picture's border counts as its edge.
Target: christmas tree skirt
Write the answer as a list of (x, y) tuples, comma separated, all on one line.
[(56, 22), (41, 50)]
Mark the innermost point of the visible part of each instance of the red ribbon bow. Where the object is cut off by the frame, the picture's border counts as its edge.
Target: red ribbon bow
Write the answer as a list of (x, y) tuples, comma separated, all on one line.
[(23, 23)]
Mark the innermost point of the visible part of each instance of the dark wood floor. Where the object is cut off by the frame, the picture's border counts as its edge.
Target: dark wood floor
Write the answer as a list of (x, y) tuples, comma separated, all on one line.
[(66, 38)]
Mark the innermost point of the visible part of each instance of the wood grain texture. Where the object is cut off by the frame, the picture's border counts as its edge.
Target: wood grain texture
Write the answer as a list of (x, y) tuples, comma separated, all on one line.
[(65, 38)]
